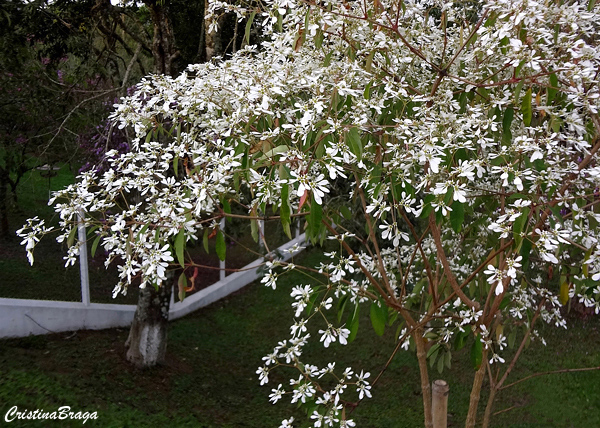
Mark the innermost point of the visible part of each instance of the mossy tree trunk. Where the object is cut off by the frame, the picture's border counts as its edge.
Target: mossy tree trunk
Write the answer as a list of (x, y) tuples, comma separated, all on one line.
[(147, 341)]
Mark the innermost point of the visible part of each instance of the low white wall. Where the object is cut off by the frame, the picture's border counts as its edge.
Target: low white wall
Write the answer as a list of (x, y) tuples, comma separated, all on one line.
[(20, 317)]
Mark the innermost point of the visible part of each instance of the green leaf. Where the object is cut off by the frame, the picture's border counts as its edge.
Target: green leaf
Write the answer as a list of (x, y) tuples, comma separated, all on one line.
[(461, 340), (319, 37), (563, 297), (71, 238), (175, 165), (552, 89), (591, 4), (506, 123), (511, 338), (95, 244), (367, 91), (441, 362), (433, 350), (392, 318), (181, 285), (226, 208), (353, 324), (519, 227), (427, 206), (220, 247), (354, 142), (369, 61), (285, 211), (378, 317), (477, 352), (271, 153), (179, 245), (585, 269), (526, 108), (345, 212), (254, 224), (434, 355), (327, 60), (518, 91), (556, 123), (525, 252), (142, 231), (457, 216), (248, 27), (149, 136), (341, 305), (205, 240), (315, 226)]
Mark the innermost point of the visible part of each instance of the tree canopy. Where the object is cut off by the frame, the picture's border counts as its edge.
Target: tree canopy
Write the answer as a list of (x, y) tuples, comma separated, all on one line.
[(463, 136)]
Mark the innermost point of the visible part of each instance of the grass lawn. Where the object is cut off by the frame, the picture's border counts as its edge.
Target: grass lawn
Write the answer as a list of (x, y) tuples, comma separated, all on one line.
[(210, 381)]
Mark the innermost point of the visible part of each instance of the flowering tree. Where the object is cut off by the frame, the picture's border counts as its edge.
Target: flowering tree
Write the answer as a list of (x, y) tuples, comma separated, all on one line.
[(468, 134)]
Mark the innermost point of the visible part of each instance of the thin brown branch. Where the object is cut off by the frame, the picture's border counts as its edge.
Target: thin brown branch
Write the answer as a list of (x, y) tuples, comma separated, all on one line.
[(521, 346), (435, 233), (583, 369)]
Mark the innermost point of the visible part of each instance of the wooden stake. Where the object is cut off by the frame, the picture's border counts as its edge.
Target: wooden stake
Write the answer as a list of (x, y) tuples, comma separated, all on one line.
[(439, 403)]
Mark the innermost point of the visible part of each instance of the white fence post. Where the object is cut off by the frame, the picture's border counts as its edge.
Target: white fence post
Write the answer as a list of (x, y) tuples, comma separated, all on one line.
[(83, 259), (222, 262)]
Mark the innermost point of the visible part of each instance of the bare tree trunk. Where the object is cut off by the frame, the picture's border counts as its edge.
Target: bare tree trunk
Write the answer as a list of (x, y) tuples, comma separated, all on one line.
[(488, 408), (425, 385), (164, 49), (147, 341), (209, 38), (476, 394)]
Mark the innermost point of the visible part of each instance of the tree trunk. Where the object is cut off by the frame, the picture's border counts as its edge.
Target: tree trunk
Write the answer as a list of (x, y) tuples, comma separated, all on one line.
[(147, 341), (488, 408), (476, 393), (164, 49), (425, 385)]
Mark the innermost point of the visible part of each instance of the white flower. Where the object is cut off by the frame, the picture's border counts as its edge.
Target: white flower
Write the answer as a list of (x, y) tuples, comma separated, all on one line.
[(496, 357), (512, 265), (276, 394), (287, 423), (362, 386), (303, 391), (328, 336), (318, 185), (263, 374)]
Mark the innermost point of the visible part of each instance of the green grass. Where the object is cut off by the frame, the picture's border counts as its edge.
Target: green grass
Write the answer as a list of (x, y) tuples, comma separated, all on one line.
[(209, 379)]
